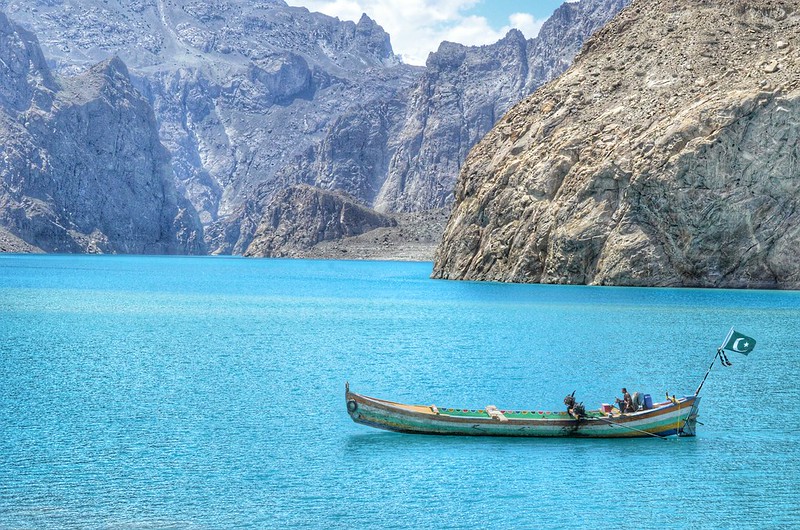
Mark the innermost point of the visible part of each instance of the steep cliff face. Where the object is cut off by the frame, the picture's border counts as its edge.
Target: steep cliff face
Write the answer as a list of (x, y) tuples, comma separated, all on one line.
[(667, 155), (466, 90), (302, 216), (82, 168)]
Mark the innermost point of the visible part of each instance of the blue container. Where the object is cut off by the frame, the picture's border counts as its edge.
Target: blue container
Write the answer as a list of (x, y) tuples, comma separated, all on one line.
[(648, 402)]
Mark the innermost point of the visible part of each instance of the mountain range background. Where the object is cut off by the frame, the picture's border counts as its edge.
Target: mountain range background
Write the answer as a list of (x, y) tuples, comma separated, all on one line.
[(666, 155), (246, 127)]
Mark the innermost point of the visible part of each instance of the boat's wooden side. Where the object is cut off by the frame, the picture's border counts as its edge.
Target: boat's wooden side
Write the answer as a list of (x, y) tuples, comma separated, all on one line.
[(664, 419)]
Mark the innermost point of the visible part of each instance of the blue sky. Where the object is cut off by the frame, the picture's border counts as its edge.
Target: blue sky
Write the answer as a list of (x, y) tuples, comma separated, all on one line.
[(418, 26), (498, 11)]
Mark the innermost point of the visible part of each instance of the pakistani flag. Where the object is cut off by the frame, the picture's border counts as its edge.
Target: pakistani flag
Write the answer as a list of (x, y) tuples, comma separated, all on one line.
[(739, 343)]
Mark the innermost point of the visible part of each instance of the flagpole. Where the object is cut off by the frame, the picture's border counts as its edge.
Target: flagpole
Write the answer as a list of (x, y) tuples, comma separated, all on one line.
[(707, 372), (724, 342), (727, 338)]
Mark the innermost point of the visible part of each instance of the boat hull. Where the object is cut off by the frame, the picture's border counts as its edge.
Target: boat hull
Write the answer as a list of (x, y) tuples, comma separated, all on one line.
[(664, 419)]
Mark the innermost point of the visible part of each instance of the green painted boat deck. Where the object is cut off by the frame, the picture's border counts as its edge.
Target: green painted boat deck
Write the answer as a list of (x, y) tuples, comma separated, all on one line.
[(516, 414)]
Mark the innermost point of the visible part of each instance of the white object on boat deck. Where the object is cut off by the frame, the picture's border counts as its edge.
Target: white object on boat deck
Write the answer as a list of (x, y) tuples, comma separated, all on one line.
[(495, 414)]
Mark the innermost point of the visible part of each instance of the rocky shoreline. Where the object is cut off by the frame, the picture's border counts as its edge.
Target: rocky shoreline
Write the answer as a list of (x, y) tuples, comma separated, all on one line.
[(411, 237)]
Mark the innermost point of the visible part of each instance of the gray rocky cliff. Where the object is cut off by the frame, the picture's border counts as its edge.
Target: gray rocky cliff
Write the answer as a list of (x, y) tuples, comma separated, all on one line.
[(466, 90), (244, 92), (300, 217), (666, 156), (82, 167)]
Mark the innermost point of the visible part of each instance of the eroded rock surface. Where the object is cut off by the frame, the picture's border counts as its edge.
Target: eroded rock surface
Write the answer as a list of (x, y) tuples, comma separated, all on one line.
[(82, 167), (666, 156), (300, 217)]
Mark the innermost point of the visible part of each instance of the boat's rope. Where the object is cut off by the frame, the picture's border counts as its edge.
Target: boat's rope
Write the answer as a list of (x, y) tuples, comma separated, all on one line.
[(724, 361), (633, 429)]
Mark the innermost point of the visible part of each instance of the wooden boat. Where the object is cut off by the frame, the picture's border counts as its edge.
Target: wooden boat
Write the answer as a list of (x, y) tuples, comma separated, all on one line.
[(676, 416), (673, 417)]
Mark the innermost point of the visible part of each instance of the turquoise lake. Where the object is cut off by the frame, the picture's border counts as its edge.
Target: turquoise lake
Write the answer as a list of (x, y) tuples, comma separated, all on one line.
[(173, 392)]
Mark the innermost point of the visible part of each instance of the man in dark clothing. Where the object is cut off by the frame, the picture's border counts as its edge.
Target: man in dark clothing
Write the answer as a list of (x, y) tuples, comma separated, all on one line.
[(626, 403)]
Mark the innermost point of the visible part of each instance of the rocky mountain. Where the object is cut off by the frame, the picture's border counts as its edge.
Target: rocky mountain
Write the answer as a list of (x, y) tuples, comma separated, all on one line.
[(82, 167), (465, 90), (404, 155), (667, 155), (241, 88), (255, 97), (300, 217)]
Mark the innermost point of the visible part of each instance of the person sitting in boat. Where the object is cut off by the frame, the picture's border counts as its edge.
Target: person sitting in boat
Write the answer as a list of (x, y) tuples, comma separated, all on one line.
[(626, 403)]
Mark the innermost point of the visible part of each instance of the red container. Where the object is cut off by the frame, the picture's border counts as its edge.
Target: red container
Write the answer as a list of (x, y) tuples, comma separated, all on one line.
[(606, 408)]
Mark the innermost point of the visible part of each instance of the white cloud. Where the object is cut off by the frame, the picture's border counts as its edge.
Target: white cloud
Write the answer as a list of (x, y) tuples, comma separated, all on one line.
[(417, 27), (526, 23)]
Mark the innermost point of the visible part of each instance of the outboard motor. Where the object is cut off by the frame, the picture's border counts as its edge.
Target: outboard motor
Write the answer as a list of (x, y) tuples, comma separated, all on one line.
[(576, 410), (638, 401)]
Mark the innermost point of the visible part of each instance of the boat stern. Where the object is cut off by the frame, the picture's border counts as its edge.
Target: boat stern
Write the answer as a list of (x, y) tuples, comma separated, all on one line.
[(352, 405)]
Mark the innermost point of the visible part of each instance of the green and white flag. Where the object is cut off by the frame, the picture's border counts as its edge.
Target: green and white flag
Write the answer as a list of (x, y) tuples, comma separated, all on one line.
[(739, 343)]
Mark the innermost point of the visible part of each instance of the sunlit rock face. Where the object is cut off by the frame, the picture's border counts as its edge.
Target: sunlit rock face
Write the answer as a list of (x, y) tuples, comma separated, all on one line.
[(667, 155)]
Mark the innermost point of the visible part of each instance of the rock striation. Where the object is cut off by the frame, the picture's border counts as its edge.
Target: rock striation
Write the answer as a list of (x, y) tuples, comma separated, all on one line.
[(82, 167), (667, 155), (300, 217)]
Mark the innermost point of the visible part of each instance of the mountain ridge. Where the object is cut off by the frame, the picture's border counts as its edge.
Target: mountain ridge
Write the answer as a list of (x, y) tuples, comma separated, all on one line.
[(251, 98)]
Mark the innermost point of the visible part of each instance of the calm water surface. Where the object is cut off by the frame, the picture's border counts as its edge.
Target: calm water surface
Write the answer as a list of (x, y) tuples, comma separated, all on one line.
[(154, 392)]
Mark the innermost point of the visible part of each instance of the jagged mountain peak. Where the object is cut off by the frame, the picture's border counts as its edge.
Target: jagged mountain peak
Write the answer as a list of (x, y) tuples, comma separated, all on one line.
[(366, 25), (447, 55), (374, 40), (111, 68), (513, 35), (25, 78)]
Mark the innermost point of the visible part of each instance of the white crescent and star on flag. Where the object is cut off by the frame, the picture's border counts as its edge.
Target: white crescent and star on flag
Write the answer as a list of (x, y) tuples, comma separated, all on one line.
[(741, 345)]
